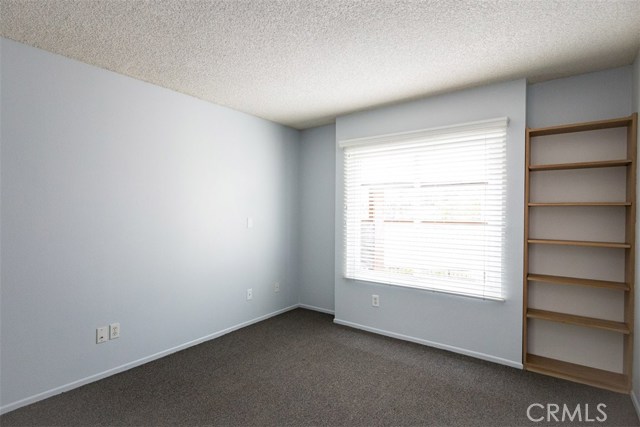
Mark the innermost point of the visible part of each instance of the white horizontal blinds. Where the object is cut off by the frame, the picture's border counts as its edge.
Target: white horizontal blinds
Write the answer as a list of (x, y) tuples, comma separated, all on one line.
[(427, 209)]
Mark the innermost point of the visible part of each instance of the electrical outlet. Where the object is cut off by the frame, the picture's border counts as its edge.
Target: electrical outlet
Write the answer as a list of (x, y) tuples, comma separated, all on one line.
[(276, 287), (114, 331), (375, 300), (249, 294), (102, 334)]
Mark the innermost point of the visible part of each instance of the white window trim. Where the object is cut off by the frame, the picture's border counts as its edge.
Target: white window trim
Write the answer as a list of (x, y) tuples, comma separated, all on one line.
[(422, 133)]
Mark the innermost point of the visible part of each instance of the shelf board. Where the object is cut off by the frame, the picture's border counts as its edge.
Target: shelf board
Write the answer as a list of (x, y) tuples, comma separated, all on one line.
[(562, 204), (588, 322), (578, 373), (562, 280), (614, 245), (581, 165), (581, 127)]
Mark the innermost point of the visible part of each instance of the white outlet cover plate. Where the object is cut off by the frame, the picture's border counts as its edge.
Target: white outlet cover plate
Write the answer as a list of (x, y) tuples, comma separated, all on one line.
[(114, 331), (249, 294), (276, 287), (375, 300)]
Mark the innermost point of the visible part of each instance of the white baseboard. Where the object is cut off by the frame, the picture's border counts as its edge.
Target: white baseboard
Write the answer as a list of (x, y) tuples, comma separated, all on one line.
[(92, 378), (314, 308), (454, 349), (636, 402)]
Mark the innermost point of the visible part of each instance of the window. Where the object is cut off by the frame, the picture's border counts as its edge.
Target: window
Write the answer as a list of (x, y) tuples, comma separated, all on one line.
[(427, 209)]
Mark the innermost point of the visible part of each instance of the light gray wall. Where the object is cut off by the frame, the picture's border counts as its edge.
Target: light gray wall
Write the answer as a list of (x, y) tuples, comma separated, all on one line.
[(486, 329), (586, 97), (316, 250), (636, 364), (125, 202)]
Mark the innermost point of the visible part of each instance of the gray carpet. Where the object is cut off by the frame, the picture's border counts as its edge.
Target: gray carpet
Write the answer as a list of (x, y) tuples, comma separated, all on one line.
[(300, 369)]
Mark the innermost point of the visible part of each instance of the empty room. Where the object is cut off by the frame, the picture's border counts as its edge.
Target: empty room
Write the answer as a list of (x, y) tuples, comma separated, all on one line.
[(319, 212)]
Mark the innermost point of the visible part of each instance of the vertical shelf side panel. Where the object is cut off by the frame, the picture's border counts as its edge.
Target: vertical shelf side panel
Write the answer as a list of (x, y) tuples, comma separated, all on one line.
[(525, 281), (630, 256)]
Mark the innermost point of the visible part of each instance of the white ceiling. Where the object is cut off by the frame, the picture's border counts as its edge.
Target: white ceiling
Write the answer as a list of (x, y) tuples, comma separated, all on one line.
[(304, 62)]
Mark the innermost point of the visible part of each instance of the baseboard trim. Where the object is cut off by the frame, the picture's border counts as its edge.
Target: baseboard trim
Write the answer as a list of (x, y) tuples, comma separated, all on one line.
[(447, 347), (92, 378), (636, 403), (314, 308)]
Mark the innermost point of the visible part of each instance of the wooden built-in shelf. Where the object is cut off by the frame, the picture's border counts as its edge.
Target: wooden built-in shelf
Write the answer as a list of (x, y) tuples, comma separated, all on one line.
[(562, 280), (588, 322), (578, 373), (619, 172), (614, 245), (565, 204), (581, 165), (581, 127)]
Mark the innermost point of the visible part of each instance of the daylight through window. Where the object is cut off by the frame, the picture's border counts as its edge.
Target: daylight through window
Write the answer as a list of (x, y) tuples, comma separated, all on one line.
[(427, 209)]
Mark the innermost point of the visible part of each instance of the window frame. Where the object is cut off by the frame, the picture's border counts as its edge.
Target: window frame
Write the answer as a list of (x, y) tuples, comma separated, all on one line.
[(409, 137)]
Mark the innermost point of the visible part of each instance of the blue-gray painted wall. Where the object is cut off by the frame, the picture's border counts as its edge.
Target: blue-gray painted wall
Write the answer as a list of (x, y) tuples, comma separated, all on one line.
[(126, 202), (490, 330), (317, 184)]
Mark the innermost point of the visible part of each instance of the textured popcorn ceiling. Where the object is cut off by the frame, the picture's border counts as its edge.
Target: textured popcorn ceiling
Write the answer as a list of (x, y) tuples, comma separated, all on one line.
[(304, 62)]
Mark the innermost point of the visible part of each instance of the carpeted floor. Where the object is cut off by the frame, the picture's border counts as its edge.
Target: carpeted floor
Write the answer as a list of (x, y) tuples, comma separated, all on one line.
[(300, 369)]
